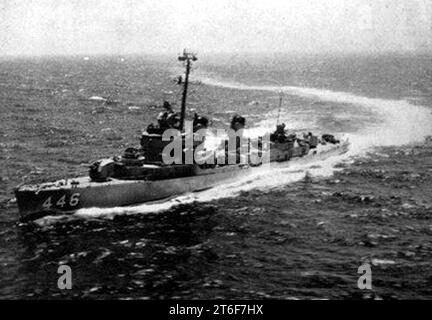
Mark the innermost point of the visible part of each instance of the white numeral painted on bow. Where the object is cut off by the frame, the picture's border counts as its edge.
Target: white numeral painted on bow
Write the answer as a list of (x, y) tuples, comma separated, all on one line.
[(61, 202), (47, 204), (74, 200)]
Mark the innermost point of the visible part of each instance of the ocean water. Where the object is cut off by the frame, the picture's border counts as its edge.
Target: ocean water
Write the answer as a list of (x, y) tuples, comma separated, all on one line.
[(298, 232)]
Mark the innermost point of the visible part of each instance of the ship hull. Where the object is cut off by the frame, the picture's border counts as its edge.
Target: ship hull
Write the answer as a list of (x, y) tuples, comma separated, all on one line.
[(66, 197), (83, 193)]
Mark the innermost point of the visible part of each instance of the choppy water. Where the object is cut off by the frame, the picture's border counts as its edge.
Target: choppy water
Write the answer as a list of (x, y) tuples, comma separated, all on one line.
[(277, 234)]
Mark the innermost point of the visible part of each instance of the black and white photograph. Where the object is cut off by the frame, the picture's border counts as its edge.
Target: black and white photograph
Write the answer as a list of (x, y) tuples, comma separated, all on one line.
[(232, 151)]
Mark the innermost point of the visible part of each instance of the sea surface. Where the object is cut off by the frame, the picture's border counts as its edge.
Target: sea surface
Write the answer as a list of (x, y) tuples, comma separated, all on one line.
[(299, 232)]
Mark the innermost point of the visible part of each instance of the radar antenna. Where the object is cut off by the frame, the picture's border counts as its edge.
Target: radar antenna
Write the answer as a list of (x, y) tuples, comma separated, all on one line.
[(186, 57)]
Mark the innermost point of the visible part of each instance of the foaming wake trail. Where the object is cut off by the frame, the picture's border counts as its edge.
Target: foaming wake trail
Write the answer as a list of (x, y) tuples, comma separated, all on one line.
[(402, 123)]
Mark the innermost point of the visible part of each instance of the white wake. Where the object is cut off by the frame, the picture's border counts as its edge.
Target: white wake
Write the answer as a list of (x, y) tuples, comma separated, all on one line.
[(403, 122)]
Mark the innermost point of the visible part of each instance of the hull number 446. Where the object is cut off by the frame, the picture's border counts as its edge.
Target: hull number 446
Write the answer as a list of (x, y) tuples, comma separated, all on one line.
[(73, 201)]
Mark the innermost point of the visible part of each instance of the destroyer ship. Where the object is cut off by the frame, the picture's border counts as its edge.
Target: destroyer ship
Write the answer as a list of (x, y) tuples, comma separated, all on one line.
[(141, 175)]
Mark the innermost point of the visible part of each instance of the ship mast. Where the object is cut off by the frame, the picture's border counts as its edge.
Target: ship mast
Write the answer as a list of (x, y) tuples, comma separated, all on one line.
[(188, 58), (280, 106)]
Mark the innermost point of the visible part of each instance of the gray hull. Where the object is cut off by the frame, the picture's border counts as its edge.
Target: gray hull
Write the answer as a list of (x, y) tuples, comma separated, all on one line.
[(63, 197)]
